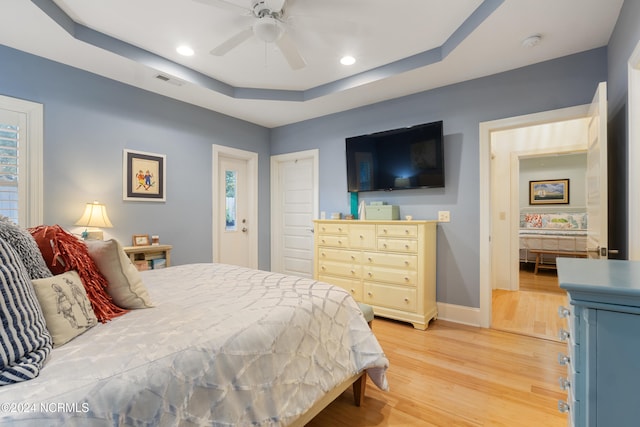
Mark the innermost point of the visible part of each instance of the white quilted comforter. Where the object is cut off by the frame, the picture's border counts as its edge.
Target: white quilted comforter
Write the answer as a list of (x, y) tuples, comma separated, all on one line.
[(223, 346)]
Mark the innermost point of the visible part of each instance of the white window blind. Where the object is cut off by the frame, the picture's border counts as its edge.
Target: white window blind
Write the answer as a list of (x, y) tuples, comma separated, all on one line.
[(9, 178)]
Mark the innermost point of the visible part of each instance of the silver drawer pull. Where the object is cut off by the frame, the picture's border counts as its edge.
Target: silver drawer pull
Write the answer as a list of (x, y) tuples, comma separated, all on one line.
[(563, 334), (563, 406), (563, 312), (564, 383), (563, 359)]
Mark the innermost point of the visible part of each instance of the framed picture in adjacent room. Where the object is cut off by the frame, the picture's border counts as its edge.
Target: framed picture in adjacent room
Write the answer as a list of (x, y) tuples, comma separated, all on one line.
[(143, 176), (549, 192), (140, 240)]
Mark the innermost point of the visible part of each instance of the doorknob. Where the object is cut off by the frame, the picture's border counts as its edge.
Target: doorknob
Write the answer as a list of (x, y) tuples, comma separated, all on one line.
[(244, 229)]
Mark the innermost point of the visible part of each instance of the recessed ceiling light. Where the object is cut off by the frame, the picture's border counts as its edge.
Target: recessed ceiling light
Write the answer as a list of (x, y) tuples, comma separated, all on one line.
[(185, 50), (347, 60)]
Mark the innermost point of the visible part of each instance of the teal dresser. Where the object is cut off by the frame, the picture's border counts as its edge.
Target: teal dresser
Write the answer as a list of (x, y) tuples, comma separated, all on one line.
[(603, 337)]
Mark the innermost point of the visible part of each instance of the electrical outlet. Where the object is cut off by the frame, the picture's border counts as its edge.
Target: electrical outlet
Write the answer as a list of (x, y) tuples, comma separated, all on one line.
[(444, 216)]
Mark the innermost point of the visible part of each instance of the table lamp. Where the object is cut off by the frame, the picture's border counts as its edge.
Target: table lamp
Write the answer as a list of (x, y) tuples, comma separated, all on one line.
[(95, 215)]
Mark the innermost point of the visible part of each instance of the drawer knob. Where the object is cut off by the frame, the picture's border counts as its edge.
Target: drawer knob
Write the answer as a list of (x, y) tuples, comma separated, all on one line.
[(340, 229), (353, 258), (406, 231), (339, 242), (563, 312), (370, 259), (370, 274), (323, 268), (406, 263), (353, 272), (563, 334), (384, 245), (384, 230), (370, 294), (564, 383), (361, 236), (406, 279), (563, 359), (406, 300), (406, 246), (353, 291), (563, 406)]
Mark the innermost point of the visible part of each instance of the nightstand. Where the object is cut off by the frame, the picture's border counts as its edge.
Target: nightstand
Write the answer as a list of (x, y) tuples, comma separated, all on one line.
[(149, 257)]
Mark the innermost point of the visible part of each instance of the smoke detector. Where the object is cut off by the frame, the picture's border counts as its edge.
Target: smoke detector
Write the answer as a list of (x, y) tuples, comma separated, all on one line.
[(532, 41)]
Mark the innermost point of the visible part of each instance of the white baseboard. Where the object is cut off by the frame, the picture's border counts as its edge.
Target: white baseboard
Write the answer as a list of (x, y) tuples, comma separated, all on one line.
[(459, 314)]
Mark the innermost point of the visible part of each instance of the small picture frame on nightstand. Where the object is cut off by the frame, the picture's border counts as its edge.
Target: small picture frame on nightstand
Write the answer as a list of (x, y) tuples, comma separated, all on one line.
[(141, 240)]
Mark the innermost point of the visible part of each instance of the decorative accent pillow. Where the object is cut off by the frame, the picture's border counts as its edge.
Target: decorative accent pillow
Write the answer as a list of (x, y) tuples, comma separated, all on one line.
[(63, 252), (22, 242), (65, 306), (25, 342), (124, 282)]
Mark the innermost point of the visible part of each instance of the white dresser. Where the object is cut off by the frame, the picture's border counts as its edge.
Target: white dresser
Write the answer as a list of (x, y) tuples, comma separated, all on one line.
[(390, 265), (603, 336)]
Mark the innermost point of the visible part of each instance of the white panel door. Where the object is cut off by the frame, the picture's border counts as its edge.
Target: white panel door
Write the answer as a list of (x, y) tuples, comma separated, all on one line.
[(294, 199), (597, 196)]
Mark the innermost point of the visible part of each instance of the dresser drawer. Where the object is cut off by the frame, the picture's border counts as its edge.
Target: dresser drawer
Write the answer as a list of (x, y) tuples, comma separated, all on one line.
[(398, 245), (340, 255), (399, 230), (397, 297), (344, 269), (391, 275), (331, 228), (407, 262), (354, 287), (362, 236), (335, 241)]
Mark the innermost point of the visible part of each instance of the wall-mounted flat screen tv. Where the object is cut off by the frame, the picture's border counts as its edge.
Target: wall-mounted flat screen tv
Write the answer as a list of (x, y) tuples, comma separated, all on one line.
[(411, 157)]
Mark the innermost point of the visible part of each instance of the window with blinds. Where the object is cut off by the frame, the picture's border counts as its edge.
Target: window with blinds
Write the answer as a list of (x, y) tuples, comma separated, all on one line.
[(9, 179), (21, 158)]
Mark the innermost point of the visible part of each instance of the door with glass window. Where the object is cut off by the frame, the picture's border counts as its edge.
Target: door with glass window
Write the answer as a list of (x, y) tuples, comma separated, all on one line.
[(235, 218)]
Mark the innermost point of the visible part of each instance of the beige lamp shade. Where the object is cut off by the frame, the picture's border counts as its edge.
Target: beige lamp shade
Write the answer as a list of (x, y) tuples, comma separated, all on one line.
[(95, 215)]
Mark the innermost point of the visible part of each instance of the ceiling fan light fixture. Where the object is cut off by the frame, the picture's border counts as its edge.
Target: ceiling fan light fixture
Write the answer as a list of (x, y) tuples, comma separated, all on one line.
[(268, 29)]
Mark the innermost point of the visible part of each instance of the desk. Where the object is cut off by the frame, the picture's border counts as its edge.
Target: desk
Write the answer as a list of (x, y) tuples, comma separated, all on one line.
[(541, 252), (143, 257)]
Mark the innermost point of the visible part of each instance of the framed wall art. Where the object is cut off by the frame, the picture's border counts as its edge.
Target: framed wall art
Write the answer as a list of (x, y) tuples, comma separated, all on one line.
[(143, 176), (549, 192), (140, 240)]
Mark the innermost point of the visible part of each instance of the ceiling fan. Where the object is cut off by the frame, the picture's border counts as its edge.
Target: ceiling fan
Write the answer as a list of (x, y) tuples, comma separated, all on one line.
[(268, 25)]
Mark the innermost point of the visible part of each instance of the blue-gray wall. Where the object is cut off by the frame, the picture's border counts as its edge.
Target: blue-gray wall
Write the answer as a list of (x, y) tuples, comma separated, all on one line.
[(564, 82), (89, 120)]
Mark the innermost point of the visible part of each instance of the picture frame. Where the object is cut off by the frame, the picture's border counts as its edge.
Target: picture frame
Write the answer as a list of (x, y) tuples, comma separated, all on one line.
[(549, 192), (143, 176), (140, 240)]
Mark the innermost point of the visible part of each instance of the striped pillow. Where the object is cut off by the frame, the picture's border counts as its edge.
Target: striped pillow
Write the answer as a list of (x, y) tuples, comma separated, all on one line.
[(25, 342)]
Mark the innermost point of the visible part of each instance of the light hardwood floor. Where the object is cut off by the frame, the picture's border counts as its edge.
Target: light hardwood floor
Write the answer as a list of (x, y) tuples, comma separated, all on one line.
[(534, 309), (455, 375)]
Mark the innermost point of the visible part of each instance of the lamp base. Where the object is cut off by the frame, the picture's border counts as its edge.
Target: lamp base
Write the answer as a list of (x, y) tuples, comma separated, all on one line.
[(93, 235)]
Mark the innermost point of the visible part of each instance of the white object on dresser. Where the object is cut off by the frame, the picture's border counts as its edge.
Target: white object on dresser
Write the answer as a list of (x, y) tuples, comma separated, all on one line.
[(603, 345), (390, 265)]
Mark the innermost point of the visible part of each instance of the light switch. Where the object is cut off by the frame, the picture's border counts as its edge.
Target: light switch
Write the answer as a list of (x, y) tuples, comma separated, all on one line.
[(444, 216)]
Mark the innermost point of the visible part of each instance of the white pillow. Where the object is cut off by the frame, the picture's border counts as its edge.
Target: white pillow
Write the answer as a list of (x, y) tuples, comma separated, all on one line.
[(65, 306), (124, 282)]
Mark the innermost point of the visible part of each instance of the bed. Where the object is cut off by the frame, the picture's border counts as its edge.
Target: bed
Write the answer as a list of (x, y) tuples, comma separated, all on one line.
[(218, 345), (554, 232)]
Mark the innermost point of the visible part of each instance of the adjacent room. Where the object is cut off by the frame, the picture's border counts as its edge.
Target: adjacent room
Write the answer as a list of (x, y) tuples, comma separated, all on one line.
[(332, 213)]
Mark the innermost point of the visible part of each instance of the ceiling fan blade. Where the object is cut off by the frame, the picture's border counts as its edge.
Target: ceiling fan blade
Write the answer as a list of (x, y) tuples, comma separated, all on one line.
[(234, 41), (222, 4), (290, 52)]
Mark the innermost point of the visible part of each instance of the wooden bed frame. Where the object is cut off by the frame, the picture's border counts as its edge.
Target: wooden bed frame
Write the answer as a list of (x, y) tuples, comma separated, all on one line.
[(359, 383)]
